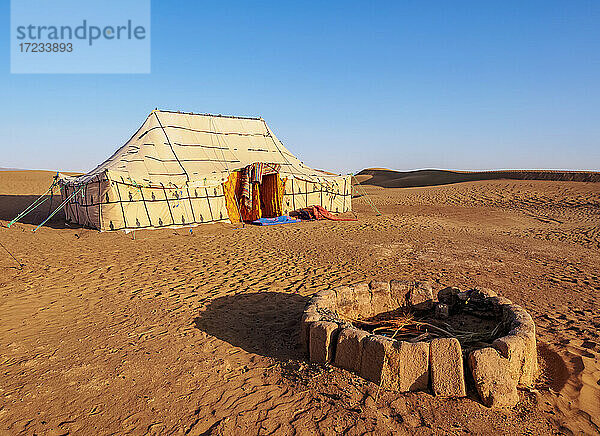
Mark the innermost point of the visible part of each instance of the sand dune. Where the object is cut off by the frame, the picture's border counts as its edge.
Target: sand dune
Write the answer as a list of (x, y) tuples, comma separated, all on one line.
[(179, 332), (403, 179)]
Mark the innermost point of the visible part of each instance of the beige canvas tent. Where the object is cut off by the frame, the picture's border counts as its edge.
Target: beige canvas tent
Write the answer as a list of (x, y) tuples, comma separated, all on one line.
[(183, 169)]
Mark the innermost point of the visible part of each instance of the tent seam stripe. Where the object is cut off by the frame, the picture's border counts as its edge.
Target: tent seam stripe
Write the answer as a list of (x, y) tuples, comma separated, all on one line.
[(171, 145)]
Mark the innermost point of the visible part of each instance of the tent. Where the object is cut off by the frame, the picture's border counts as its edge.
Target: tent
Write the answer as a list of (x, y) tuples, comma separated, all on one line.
[(184, 169)]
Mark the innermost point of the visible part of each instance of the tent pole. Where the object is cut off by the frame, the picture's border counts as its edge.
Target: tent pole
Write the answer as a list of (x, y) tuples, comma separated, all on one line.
[(51, 199), (237, 205)]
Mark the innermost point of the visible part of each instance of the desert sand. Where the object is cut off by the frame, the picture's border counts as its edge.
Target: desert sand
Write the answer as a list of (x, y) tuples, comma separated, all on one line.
[(196, 332)]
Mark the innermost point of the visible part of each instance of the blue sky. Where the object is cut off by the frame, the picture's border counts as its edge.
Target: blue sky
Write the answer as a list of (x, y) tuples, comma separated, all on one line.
[(345, 85)]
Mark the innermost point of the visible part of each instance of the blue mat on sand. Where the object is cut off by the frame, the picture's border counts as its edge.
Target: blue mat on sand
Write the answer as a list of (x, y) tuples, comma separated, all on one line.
[(273, 221)]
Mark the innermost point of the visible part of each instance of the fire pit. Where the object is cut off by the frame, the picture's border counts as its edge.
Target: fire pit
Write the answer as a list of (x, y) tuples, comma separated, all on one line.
[(402, 337)]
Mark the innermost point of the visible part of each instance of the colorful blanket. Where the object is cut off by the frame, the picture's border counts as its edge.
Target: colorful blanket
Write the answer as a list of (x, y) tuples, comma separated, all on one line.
[(318, 213), (284, 219), (254, 173)]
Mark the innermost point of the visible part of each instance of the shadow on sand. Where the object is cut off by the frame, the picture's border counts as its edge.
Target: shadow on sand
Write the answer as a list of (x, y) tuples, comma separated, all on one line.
[(410, 179), (12, 205), (265, 323)]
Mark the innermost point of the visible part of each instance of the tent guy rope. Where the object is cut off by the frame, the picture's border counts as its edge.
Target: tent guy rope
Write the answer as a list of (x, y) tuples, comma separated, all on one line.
[(364, 193), (21, 265), (41, 199), (60, 207)]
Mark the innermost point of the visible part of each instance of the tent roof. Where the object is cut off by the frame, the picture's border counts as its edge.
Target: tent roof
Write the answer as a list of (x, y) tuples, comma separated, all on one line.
[(175, 148)]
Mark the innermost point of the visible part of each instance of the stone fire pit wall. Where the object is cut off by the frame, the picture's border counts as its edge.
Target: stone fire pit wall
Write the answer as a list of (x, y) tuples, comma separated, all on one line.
[(411, 366)]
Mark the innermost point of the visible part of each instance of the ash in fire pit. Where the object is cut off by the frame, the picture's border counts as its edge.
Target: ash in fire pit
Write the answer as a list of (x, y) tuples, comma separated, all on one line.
[(400, 336)]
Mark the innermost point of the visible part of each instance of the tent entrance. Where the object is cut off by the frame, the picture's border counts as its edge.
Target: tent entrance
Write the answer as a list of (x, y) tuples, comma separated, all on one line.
[(272, 190), (265, 201)]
